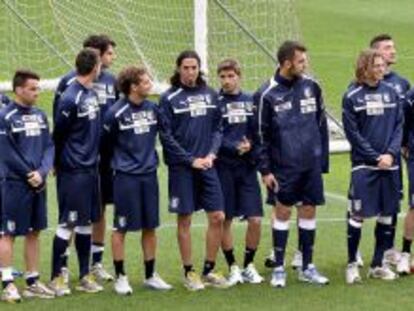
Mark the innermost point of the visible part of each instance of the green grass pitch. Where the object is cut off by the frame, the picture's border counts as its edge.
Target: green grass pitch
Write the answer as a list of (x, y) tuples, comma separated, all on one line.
[(334, 31)]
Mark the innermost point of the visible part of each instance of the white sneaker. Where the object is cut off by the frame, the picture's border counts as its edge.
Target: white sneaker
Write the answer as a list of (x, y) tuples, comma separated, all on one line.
[(392, 257), (312, 275), (297, 260), (278, 277), (101, 275), (193, 282), (352, 275), (157, 283), (215, 280), (89, 285), (383, 273), (359, 260), (59, 287), (11, 294), (121, 286), (39, 290), (403, 266), (250, 275), (235, 276)]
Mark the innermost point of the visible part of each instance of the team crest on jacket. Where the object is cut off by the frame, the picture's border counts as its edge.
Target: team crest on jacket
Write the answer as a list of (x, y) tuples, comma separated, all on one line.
[(308, 92), (386, 97)]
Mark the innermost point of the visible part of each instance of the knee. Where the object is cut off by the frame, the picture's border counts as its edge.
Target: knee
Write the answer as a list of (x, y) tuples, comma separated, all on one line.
[(216, 219), (183, 223), (307, 212), (255, 222), (283, 213), (117, 237)]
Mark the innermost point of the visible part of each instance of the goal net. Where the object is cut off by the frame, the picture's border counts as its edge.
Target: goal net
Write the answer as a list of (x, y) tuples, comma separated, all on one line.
[(45, 35)]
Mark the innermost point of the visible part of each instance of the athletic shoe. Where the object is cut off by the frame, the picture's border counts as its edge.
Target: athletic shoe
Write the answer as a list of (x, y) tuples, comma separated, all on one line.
[(278, 277), (392, 257), (11, 294), (89, 285), (59, 287), (157, 283), (215, 280), (403, 266), (297, 260), (121, 286), (250, 275), (39, 290), (65, 273), (270, 261), (383, 273), (359, 260), (193, 282), (235, 276), (312, 275), (352, 275), (101, 275)]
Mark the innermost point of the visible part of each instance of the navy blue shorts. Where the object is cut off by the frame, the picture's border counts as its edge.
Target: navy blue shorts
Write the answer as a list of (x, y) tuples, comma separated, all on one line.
[(106, 178), (295, 188), (191, 190), (242, 191), (23, 210), (78, 197), (374, 192), (136, 200)]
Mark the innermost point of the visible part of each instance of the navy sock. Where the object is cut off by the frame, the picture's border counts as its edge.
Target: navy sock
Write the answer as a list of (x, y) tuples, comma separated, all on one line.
[(382, 236), (249, 254), (187, 269), (392, 231), (83, 248), (4, 284), (149, 268), (280, 236), (32, 278), (229, 255), (208, 266), (97, 252), (65, 259), (353, 238), (407, 245), (307, 237), (119, 267), (59, 248)]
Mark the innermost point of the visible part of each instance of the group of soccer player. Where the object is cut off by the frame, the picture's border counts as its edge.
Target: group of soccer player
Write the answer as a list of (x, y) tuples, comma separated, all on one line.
[(102, 151)]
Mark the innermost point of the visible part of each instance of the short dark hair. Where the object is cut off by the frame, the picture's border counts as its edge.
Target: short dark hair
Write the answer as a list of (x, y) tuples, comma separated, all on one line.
[(21, 76), (100, 42), (86, 60), (128, 76), (379, 38), (175, 78), (229, 64), (287, 50)]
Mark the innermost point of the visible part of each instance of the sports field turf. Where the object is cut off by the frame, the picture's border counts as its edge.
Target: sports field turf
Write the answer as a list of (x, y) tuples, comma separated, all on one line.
[(334, 31)]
